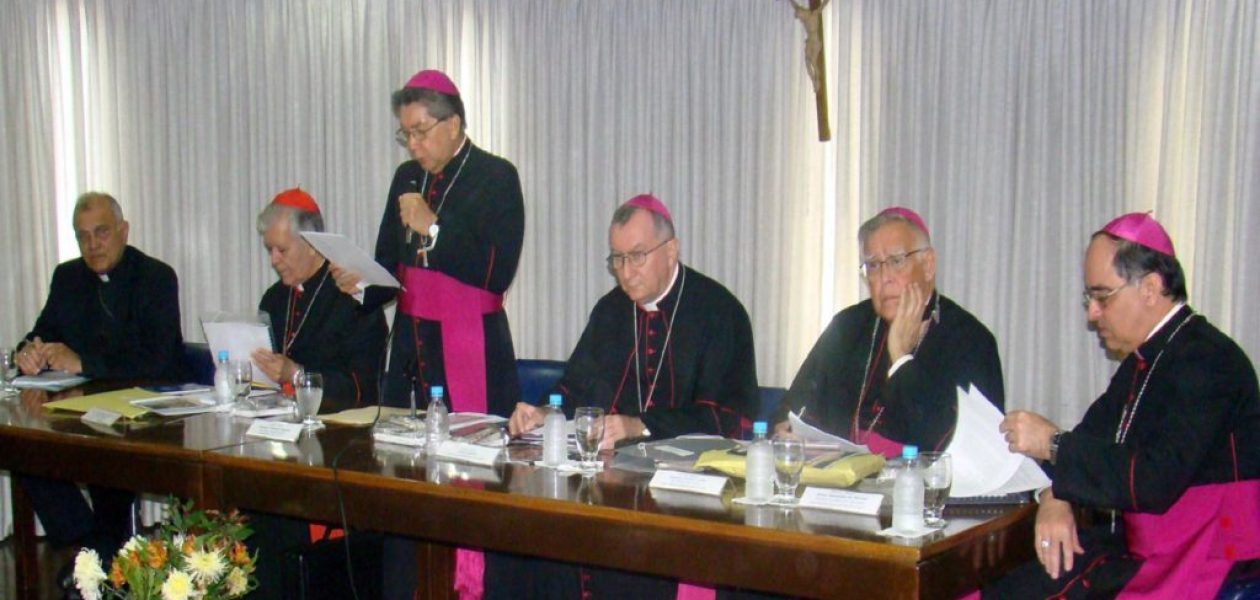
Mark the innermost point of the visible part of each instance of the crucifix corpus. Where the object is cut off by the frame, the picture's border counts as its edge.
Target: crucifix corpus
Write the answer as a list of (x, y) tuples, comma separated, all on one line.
[(811, 18)]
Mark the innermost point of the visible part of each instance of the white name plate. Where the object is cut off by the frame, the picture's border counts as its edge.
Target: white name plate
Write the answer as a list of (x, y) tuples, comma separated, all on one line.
[(468, 453), (101, 416), (275, 430), (842, 500), (695, 483)]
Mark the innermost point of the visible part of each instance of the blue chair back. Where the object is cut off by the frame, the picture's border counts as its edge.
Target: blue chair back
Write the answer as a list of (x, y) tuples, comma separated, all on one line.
[(770, 397), (537, 377), (198, 362)]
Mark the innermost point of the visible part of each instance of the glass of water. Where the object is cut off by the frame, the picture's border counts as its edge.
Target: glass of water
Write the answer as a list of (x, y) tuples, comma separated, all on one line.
[(588, 428), (310, 393), (242, 377), (8, 372), (938, 475), (789, 461)]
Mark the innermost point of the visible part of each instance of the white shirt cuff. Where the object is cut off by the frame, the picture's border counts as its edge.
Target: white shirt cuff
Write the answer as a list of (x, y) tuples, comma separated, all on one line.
[(900, 361)]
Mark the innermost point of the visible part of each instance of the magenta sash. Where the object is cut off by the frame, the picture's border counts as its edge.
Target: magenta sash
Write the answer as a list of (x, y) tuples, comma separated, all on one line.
[(881, 445), (1189, 549), (459, 307)]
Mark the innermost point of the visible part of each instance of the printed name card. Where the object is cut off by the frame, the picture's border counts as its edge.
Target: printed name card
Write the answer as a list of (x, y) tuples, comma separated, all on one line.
[(695, 483), (842, 500), (468, 453), (275, 430), (100, 416)]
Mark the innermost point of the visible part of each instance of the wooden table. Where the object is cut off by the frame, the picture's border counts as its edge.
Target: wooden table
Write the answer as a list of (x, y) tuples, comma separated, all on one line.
[(614, 520), (610, 520)]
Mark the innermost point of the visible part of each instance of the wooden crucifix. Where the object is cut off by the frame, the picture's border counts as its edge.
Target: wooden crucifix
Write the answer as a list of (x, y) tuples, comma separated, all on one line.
[(815, 63)]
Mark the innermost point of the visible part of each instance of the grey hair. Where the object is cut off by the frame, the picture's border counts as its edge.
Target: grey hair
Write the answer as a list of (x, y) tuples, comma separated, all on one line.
[(878, 221), (299, 220), (440, 106), (87, 199), (663, 228)]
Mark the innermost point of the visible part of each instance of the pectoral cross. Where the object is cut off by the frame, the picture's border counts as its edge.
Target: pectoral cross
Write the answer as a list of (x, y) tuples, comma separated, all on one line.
[(815, 64)]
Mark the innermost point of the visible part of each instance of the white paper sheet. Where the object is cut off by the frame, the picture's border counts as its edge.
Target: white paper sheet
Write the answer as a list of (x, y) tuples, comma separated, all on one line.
[(52, 381), (240, 340), (814, 435), (339, 250), (983, 464)]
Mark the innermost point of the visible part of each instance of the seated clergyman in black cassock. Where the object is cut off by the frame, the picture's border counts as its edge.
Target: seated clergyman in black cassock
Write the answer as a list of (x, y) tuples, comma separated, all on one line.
[(317, 328), (886, 370), (667, 352), (1171, 449), (113, 313)]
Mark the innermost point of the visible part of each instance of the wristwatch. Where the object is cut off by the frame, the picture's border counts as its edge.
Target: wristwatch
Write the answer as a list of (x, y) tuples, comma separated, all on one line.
[(1054, 446)]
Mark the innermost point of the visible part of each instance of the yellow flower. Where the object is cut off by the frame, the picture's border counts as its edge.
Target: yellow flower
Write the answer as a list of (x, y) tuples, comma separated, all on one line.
[(178, 586), (206, 567), (237, 582)]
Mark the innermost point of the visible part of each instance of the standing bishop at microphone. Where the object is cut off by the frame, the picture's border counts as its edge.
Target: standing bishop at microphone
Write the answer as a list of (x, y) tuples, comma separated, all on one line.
[(452, 230)]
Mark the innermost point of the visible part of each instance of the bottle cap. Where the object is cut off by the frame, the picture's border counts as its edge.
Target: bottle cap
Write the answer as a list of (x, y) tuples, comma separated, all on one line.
[(759, 428), (554, 400), (223, 355), (910, 451), (437, 390)]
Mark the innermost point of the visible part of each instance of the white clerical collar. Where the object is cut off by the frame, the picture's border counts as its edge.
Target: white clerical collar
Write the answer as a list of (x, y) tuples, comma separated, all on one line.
[(1176, 307), (651, 306), (104, 277)]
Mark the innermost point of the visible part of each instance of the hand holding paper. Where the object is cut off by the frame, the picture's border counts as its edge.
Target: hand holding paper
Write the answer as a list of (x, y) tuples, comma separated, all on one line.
[(354, 267)]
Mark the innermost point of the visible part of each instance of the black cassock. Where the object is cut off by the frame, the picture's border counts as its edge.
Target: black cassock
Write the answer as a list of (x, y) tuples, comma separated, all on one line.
[(481, 216), (919, 403), (697, 376), (330, 333), (1197, 422), (705, 381), (125, 328)]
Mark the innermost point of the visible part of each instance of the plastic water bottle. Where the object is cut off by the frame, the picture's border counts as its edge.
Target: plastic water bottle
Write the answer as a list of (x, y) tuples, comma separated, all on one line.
[(759, 466), (437, 426), (223, 391), (554, 438), (908, 493)]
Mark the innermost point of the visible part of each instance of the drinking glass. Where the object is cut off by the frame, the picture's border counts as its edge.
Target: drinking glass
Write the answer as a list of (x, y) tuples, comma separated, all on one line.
[(588, 427), (310, 392), (242, 377), (8, 372), (938, 476), (789, 461)]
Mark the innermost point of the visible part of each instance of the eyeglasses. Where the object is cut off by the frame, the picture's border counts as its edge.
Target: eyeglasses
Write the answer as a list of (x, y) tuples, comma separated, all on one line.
[(101, 234), (404, 136), (1099, 295), (897, 262), (616, 261)]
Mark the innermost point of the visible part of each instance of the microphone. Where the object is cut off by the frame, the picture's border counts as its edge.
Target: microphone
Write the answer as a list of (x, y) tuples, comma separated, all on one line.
[(412, 187)]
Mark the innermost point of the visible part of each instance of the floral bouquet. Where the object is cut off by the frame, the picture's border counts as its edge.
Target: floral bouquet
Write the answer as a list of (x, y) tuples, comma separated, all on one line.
[(195, 555)]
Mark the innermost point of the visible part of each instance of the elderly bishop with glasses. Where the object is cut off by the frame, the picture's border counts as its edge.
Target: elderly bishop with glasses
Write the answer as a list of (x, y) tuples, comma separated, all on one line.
[(886, 370)]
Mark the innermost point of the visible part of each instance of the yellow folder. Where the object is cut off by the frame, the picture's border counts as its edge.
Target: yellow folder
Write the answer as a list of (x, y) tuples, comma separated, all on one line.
[(118, 401)]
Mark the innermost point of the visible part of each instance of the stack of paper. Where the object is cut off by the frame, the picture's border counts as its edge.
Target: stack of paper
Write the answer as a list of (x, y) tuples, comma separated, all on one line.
[(983, 464), (52, 381)]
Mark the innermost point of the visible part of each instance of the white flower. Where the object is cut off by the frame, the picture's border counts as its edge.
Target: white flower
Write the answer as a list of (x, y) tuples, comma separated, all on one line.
[(237, 582), (135, 543), (177, 542), (88, 574), (178, 586), (206, 567)]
